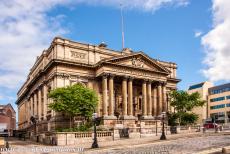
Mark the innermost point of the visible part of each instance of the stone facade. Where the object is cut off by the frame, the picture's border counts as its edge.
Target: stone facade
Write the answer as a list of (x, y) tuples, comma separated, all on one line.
[(131, 86)]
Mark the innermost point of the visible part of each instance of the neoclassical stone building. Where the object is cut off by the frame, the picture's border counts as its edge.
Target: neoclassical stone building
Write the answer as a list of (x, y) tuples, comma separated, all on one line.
[(130, 85)]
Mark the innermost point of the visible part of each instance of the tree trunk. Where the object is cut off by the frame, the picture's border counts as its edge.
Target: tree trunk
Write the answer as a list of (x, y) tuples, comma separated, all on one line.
[(70, 122)]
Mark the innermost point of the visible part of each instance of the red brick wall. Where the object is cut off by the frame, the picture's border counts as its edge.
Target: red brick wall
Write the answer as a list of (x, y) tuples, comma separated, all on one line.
[(5, 119)]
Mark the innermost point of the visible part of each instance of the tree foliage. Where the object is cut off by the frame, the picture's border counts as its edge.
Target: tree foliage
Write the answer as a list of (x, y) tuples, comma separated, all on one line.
[(183, 103), (74, 100)]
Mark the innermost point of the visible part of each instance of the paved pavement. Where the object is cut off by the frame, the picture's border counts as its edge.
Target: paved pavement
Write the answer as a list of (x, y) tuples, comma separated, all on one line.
[(180, 143), (186, 145)]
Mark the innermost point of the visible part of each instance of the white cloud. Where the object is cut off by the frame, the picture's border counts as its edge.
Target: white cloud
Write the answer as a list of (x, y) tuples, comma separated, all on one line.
[(144, 5), (198, 33), (217, 43), (26, 30)]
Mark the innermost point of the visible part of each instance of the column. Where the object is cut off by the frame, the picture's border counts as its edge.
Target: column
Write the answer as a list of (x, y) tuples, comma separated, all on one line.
[(26, 110), (31, 106), (104, 95), (44, 102), (159, 99), (149, 98), (155, 101), (130, 97), (35, 104), (90, 84), (144, 99), (164, 97), (96, 88), (39, 106), (124, 96), (111, 96)]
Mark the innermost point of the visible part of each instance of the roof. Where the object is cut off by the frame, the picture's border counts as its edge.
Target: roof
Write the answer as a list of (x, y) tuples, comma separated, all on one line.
[(196, 86), (223, 88), (227, 85)]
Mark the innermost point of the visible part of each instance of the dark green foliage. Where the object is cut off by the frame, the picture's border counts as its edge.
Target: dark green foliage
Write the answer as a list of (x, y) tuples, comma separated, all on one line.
[(188, 118), (172, 119), (74, 100), (81, 128), (183, 103)]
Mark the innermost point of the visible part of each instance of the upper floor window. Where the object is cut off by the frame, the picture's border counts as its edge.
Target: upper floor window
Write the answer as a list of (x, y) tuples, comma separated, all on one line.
[(228, 97), (217, 91), (217, 99), (217, 106)]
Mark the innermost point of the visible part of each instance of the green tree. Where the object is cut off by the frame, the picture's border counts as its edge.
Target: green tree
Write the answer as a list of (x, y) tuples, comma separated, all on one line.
[(74, 100), (183, 103)]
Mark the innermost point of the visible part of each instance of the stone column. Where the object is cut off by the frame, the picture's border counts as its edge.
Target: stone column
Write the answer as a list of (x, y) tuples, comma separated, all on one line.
[(31, 106), (39, 106), (104, 95), (111, 96), (124, 96), (164, 97), (44, 101), (144, 99), (155, 101), (130, 97), (35, 104), (149, 99), (90, 84), (96, 88), (159, 99)]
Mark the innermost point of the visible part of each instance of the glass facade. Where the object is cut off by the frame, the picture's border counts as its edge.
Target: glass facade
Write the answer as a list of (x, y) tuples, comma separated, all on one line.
[(217, 106), (196, 86), (217, 91), (217, 99)]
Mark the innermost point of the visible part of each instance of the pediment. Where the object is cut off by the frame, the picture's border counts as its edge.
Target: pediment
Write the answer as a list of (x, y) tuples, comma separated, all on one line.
[(139, 61)]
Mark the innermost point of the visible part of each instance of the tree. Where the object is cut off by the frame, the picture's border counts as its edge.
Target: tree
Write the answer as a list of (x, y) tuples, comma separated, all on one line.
[(74, 100), (183, 103)]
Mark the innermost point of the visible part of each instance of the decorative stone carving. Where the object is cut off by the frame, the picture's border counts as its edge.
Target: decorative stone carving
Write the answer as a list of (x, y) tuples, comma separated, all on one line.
[(78, 55), (137, 62)]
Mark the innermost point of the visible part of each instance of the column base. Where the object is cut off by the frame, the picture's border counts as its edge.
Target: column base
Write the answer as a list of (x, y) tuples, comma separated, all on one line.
[(109, 117), (127, 117), (147, 117)]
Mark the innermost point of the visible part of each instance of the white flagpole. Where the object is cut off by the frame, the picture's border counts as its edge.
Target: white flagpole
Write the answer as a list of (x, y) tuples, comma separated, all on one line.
[(122, 28)]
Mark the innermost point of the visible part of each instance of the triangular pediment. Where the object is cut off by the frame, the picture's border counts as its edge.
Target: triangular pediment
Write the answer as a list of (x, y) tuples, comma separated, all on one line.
[(137, 60)]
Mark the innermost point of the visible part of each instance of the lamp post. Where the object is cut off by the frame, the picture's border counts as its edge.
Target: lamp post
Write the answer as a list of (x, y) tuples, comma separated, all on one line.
[(163, 137), (95, 144)]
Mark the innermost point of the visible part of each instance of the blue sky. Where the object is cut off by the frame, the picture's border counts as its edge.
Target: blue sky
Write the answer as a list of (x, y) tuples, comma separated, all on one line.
[(194, 34)]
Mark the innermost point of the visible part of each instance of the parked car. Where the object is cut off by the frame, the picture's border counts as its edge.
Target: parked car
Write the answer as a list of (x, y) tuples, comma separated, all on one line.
[(210, 125)]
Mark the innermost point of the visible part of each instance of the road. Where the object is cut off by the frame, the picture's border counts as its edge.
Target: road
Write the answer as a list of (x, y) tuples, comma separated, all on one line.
[(179, 146), (185, 145)]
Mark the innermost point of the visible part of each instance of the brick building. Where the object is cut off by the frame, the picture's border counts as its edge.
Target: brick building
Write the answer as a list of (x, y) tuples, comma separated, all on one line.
[(7, 117)]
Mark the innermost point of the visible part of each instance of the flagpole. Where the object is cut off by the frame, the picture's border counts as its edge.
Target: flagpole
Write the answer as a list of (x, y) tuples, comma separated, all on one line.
[(122, 28)]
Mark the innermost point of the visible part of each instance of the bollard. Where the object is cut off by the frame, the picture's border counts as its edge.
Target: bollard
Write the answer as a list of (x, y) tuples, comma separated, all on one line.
[(225, 150), (204, 130)]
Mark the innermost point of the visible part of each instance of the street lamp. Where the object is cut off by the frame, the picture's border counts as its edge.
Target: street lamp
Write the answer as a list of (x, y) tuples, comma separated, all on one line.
[(94, 145), (163, 137)]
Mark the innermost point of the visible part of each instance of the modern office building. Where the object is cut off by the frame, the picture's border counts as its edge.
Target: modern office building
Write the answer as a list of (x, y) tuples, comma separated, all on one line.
[(130, 84), (219, 103), (217, 107), (202, 89)]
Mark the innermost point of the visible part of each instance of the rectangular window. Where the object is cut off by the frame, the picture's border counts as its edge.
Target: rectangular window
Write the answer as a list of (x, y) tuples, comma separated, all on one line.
[(227, 97), (228, 105), (217, 106), (217, 99), (217, 91)]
